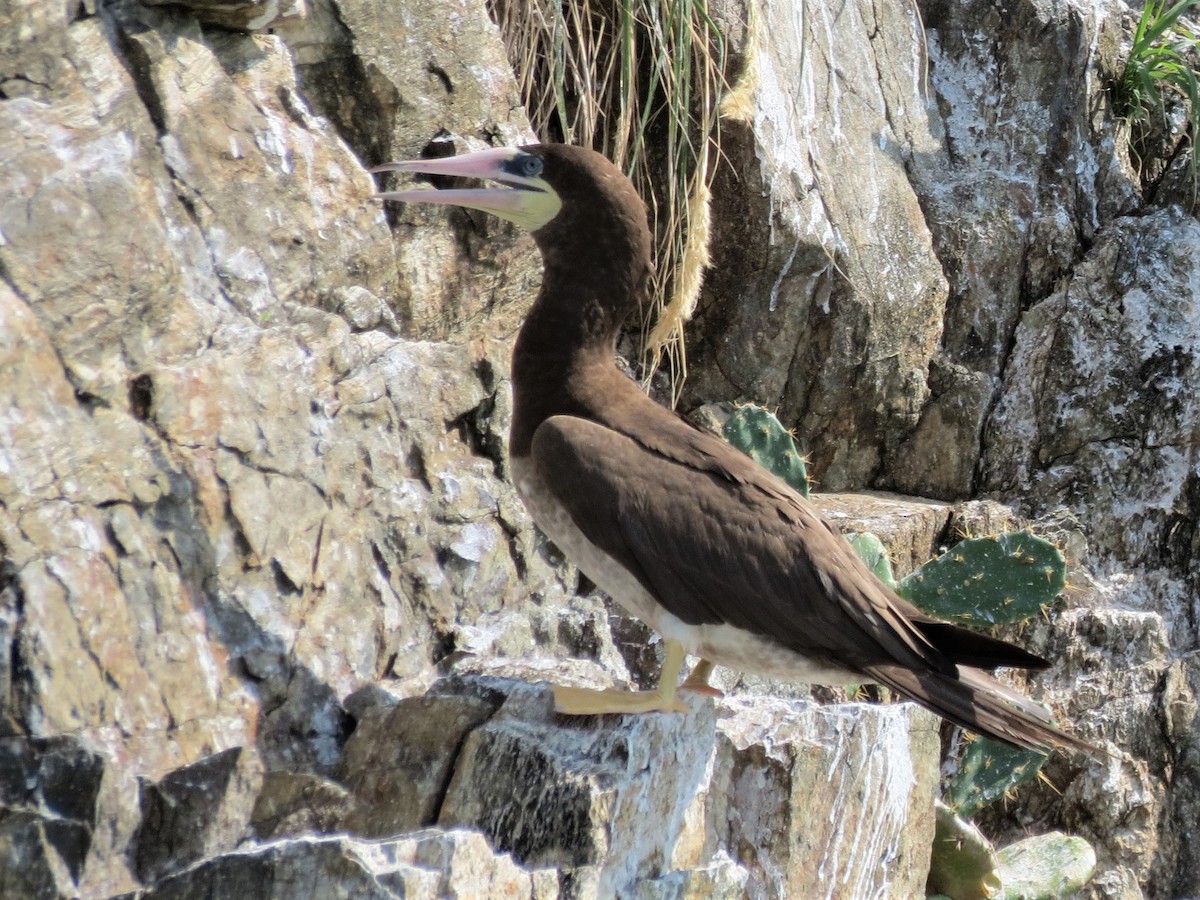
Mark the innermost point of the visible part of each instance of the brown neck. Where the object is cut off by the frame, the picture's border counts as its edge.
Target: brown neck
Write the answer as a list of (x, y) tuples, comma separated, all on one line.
[(594, 278), (561, 357)]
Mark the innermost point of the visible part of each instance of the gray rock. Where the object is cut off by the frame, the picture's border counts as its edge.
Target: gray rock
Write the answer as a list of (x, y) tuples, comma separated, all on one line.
[(825, 298), (33, 848), (1181, 691), (575, 792), (399, 761), (221, 509), (1000, 180), (940, 456), (293, 803), (978, 518), (1099, 404), (679, 804), (1107, 680), (837, 796), (197, 811), (362, 309), (910, 527), (242, 15), (426, 866), (400, 81), (49, 790), (1018, 177), (722, 879)]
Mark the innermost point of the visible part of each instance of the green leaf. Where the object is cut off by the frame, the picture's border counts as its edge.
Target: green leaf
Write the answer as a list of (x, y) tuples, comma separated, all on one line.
[(756, 432)]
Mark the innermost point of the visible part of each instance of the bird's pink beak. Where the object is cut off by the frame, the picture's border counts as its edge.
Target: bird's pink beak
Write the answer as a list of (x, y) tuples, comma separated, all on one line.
[(524, 197), (486, 165)]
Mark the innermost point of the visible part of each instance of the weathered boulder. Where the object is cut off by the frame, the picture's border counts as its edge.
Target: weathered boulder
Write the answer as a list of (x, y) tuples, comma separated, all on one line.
[(196, 811), (399, 761), (48, 802), (825, 297), (609, 795), (745, 798), (911, 528), (33, 863), (837, 796), (453, 865), (1099, 409), (295, 803)]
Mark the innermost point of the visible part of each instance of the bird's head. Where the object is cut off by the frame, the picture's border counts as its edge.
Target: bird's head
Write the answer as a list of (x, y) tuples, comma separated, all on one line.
[(569, 197)]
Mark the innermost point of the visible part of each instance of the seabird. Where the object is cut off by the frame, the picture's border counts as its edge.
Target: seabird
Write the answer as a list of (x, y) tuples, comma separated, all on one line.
[(720, 557)]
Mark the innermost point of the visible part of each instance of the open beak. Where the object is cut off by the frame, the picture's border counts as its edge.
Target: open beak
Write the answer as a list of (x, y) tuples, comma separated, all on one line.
[(526, 198)]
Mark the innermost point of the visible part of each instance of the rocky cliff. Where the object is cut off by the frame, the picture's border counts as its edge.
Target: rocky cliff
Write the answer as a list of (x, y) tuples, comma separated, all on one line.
[(272, 621)]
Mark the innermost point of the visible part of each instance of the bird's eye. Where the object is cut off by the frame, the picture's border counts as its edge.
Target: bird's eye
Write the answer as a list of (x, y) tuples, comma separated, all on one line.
[(531, 166)]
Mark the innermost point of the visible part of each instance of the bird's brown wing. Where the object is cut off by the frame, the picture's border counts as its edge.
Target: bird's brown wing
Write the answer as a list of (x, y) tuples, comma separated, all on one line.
[(715, 539), (719, 546), (666, 434)]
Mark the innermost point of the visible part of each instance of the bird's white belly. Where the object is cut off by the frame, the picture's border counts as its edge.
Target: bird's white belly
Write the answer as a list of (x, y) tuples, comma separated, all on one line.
[(723, 644)]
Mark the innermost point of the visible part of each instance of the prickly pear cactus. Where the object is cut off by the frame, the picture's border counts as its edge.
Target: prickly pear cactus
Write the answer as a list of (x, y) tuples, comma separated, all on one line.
[(989, 580), (962, 864), (987, 771), (1045, 867), (756, 432), (983, 581), (871, 551)]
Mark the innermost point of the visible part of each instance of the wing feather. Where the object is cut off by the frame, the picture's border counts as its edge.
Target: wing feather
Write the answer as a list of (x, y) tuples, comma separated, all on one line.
[(720, 543)]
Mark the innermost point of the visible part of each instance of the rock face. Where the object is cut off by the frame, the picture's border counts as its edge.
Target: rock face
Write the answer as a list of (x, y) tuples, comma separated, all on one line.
[(225, 505), (271, 616), (670, 806), (196, 811), (898, 198), (423, 866), (1088, 373), (819, 250)]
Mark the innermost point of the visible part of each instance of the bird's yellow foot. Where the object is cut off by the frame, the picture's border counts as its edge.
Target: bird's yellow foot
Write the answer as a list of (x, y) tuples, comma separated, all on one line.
[(583, 702), (575, 701), (697, 681)]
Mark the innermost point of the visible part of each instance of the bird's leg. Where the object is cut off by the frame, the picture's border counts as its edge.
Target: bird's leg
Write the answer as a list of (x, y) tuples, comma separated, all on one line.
[(697, 680), (583, 702)]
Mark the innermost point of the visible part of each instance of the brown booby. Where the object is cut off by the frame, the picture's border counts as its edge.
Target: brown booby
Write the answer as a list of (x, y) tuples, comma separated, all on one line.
[(723, 559)]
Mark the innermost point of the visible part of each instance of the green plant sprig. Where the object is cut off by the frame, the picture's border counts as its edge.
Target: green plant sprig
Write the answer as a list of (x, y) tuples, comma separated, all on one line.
[(1163, 57)]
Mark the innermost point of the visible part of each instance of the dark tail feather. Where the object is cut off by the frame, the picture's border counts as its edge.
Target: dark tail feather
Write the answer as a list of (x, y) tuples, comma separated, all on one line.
[(970, 648), (978, 702)]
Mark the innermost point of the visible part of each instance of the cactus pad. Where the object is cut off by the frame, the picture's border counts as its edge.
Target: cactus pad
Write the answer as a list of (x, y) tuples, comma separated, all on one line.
[(962, 863), (756, 432), (989, 580), (1046, 866), (871, 551), (987, 771)]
